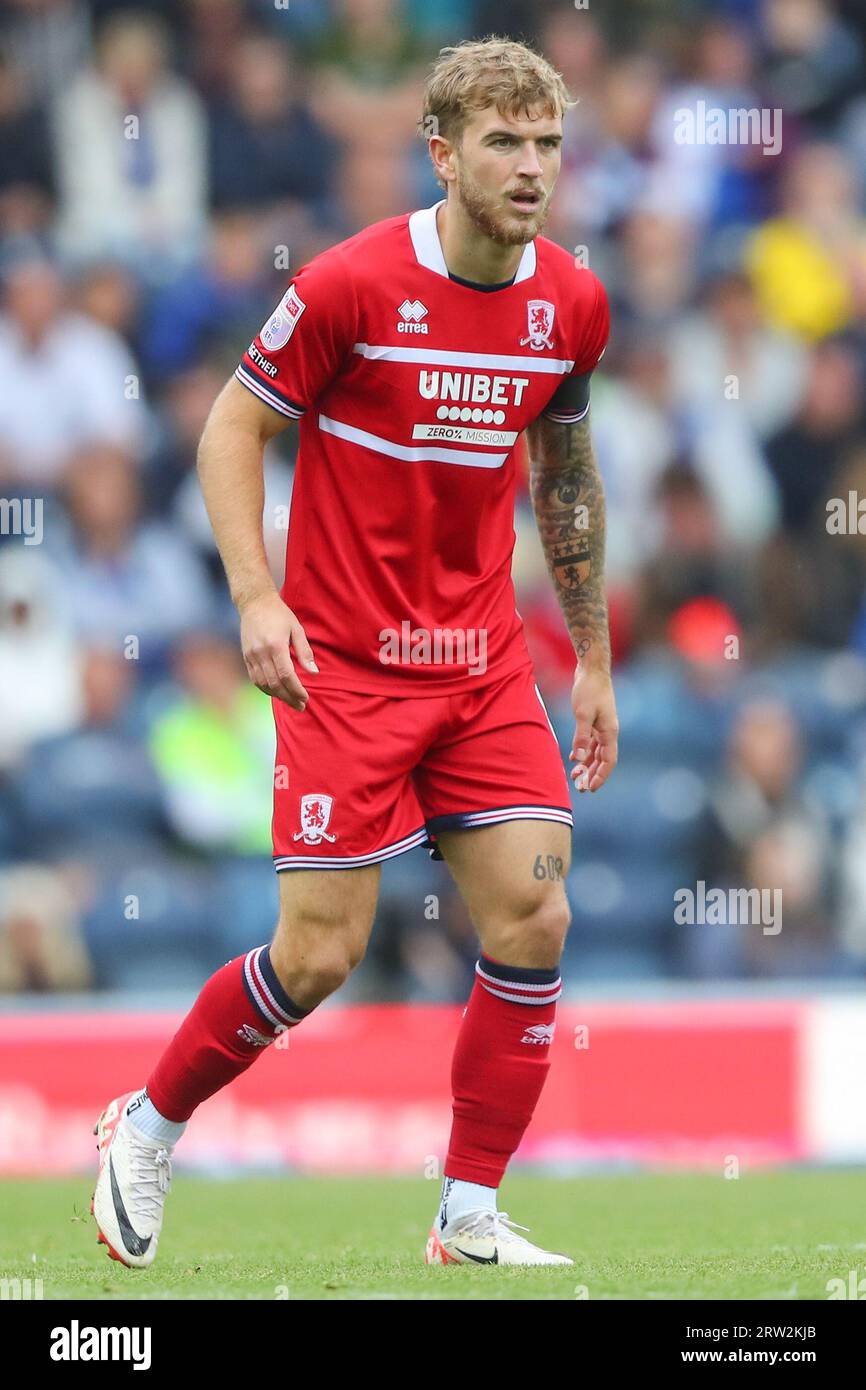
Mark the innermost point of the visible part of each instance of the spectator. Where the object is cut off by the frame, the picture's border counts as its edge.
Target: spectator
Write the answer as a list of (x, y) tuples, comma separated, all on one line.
[(125, 582), (692, 559), (50, 352), (808, 264), (636, 438), (606, 165), (106, 293), (212, 305), (369, 67), (761, 785), (48, 41), (265, 145), (764, 833), (40, 677), (711, 181), (805, 455), (132, 154), (91, 792), (657, 272), (213, 747), (26, 166), (725, 352), (815, 59), (41, 944), (185, 406)]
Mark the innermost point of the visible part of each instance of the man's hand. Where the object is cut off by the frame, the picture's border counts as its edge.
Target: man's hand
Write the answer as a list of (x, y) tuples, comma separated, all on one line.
[(269, 630), (594, 749)]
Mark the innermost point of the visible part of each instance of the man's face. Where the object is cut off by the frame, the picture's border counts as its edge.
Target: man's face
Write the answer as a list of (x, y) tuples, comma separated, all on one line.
[(506, 170)]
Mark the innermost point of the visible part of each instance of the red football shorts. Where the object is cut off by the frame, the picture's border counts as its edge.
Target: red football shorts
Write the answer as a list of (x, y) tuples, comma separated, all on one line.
[(360, 778)]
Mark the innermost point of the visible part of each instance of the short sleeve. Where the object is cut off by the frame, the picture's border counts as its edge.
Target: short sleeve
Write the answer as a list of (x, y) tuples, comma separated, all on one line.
[(303, 344), (570, 402)]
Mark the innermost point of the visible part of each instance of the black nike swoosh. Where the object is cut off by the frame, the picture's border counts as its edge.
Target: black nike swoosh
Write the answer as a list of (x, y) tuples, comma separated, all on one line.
[(135, 1244), (480, 1259)]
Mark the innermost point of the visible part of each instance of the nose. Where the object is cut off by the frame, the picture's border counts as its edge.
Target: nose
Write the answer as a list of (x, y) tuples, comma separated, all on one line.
[(529, 164)]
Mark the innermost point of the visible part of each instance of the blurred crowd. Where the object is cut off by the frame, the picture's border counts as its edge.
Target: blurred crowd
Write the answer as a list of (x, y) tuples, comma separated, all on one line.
[(163, 171)]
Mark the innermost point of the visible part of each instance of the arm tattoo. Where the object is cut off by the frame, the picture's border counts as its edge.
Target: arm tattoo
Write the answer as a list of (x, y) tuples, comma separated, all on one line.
[(568, 500)]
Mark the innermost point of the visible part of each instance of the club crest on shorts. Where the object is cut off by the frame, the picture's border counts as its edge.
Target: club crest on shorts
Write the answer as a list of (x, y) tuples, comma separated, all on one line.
[(540, 314), (315, 815)]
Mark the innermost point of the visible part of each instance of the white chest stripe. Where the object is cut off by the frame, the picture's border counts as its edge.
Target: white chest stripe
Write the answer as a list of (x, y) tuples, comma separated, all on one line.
[(550, 366), (468, 458)]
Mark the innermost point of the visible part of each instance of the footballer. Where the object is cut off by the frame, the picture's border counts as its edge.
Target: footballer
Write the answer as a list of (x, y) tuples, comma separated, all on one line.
[(412, 355)]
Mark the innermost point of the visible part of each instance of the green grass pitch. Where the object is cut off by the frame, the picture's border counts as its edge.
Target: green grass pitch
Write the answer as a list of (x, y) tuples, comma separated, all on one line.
[(765, 1235)]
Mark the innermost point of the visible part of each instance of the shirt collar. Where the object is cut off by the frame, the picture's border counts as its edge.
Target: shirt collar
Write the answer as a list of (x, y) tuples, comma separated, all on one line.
[(428, 247)]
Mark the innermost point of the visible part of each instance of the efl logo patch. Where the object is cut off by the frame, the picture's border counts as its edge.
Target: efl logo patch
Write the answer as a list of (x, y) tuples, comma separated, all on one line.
[(283, 321)]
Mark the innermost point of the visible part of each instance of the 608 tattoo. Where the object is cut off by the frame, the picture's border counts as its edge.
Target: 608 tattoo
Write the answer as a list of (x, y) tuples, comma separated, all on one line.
[(547, 866)]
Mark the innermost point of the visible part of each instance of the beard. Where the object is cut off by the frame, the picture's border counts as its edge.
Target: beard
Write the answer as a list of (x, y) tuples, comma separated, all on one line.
[(506, 229)]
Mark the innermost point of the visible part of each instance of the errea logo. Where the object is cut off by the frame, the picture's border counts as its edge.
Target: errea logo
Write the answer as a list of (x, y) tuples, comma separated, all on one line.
[(411, 312), (249, 1034), (541, 1034)]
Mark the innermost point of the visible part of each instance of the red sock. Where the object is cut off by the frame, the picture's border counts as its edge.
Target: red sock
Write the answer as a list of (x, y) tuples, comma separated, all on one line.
[(242, 1008), (500, 1064)]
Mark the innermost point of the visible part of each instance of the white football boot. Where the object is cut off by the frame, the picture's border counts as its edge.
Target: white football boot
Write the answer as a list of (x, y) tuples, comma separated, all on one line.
[(486, 1238), (134, 1177)]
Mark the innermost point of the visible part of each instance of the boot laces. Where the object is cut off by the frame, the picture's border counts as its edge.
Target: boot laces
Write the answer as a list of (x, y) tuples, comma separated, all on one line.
[(497, 1224), (150, 1174)]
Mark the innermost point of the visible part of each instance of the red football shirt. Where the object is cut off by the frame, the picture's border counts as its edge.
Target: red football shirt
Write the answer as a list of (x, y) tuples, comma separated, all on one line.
[(411, 390)]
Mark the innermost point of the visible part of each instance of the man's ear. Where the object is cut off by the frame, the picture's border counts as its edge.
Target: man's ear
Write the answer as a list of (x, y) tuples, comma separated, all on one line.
[(441, 161)]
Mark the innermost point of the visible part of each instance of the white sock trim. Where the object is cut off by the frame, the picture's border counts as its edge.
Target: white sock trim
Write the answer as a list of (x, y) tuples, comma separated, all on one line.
[(148, 1121), (459, 1198)]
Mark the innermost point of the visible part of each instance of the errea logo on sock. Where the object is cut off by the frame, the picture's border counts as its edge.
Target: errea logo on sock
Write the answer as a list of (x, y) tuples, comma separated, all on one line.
[(540, 1033), (279, 1037), (252, 1035)]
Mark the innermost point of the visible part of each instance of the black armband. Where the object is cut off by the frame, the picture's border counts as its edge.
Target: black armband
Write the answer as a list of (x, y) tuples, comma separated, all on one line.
[(570, 401)]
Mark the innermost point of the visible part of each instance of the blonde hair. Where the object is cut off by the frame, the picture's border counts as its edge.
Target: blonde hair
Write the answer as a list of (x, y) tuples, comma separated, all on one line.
[(493, 71)]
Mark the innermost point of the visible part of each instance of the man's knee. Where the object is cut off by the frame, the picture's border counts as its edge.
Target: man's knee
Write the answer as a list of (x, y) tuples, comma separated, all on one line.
[(533, 933), (314, 951), (327, 967)]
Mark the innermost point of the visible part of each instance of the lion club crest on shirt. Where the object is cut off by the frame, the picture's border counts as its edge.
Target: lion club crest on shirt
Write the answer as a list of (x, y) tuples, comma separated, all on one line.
[(540, 313), (315, 815)]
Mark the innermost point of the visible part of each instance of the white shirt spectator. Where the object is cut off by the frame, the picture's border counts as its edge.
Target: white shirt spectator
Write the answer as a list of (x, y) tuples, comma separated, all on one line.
[(156, 219), (770, 380), (76, 385), (40, 674), (153, 591)]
